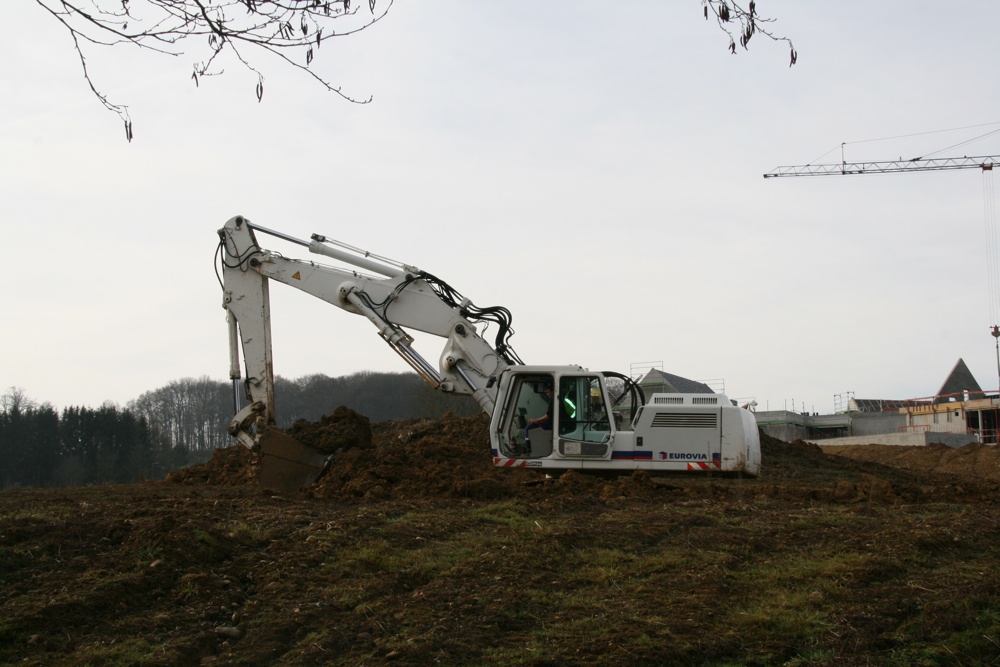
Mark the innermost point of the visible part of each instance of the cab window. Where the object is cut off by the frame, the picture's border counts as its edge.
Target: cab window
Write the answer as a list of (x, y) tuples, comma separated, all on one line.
[(582, 411)]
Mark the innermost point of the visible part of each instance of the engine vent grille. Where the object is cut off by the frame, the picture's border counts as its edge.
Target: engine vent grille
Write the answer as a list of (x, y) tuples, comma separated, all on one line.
[(668, 400), (685, 420), (705, 400)]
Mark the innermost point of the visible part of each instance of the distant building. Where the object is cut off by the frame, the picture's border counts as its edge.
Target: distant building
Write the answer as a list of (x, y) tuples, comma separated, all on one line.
[(960, 385), (658, 382), (959, 413)]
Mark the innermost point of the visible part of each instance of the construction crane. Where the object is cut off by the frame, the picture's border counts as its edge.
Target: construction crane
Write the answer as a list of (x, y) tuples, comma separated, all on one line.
[(984, 162)]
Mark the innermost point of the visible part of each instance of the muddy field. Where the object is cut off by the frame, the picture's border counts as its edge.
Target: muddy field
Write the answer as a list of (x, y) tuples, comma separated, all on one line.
[(414, 550)]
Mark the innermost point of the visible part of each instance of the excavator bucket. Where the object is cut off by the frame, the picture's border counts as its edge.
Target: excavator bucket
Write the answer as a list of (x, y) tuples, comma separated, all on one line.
[(286, 464)]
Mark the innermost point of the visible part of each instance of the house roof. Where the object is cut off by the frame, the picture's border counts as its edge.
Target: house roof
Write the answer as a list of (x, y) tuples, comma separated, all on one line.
[(959, 381), (674, 384), (879, 404)]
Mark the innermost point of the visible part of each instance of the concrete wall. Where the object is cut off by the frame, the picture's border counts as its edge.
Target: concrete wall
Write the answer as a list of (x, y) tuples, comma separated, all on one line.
[(947, 421), (876, 423), (782, 424), (901, 439), (922, 425), (886, 428)]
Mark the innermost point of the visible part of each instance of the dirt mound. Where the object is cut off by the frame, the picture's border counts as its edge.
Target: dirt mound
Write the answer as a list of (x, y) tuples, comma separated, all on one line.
[(441, 457), (867, 473), (344, 429), (449, 458), (975, 460), (232, 466), (446, 457)]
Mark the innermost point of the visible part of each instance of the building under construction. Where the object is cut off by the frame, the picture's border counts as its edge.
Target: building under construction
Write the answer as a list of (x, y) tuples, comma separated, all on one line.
[(958, 414)]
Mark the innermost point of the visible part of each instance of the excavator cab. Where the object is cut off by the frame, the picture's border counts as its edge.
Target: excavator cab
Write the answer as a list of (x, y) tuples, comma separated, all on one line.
[(575, 415)]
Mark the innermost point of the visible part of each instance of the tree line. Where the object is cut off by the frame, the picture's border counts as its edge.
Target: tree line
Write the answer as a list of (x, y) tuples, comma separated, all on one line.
[(181, 423)]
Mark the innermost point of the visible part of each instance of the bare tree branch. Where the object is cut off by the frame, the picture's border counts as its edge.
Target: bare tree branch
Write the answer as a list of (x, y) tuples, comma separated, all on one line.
[(292, 30), (732, 18)]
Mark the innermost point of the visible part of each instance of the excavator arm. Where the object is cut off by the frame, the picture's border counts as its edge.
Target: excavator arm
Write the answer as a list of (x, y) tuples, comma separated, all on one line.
[(393, 296)]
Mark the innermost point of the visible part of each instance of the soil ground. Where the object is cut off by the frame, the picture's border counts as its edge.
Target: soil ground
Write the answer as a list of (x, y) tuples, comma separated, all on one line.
[(415, 550)]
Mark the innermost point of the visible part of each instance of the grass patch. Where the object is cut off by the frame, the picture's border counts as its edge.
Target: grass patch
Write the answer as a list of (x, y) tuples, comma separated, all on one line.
[(508, 514)]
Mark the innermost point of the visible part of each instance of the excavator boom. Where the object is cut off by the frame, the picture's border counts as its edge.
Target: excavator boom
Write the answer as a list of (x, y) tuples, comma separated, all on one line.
[(393, 296)]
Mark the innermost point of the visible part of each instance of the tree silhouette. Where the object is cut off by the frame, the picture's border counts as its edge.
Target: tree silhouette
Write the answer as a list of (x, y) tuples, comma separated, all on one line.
[(182, 423)]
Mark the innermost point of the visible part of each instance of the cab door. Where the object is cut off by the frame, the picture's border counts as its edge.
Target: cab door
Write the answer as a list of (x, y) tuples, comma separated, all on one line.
[(584, 428), (528, 398)]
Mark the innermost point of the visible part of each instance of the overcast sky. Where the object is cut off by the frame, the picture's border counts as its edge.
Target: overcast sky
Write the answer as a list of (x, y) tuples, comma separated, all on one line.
[(596, 168)]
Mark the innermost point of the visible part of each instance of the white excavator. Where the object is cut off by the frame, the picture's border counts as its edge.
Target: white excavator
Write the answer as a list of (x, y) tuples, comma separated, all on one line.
[(548, 417)]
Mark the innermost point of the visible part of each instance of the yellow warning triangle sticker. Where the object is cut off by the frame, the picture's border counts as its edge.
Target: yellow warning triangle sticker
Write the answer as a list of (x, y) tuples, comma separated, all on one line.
[(297, 276)]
